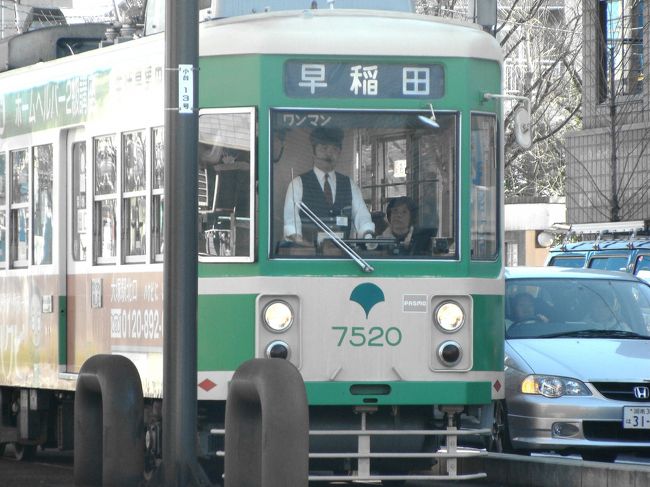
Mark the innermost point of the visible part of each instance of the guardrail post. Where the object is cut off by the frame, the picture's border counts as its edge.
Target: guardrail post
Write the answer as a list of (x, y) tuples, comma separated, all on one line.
[(267, 426), (108, 423)]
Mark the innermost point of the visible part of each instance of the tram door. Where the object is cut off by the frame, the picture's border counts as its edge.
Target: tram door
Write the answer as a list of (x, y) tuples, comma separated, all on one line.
[(77, 249)]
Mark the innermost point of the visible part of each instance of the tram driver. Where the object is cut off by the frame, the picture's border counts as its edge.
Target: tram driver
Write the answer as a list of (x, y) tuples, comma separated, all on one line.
[(332, 196)]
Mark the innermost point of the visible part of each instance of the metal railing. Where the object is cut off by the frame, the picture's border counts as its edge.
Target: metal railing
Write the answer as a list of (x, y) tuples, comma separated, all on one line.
[(449, 455)]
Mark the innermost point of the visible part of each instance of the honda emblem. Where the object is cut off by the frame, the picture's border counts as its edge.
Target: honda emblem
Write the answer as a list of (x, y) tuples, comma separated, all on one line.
[(642, 392)]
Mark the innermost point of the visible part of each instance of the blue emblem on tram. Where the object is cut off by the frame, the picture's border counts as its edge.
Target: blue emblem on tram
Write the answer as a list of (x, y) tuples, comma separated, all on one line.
[(367, 295)]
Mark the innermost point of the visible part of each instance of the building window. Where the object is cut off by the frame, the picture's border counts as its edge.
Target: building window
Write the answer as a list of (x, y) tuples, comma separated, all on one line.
[(512, 254), (620, 43)]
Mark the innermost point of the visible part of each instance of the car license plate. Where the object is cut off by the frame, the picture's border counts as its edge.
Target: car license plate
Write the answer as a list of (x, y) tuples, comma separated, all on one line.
[(635, 417)]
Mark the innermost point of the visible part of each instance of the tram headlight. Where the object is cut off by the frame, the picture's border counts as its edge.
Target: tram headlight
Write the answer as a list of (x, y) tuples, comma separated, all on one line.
[(277, 316), (449, 316), (277, 349), (450, 353)]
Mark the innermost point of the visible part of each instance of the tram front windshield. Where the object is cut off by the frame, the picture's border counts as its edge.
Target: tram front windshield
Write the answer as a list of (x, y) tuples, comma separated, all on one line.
[(382, 183)]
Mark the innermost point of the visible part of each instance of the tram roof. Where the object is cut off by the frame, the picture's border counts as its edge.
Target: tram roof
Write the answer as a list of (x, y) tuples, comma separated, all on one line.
[(342, 32)]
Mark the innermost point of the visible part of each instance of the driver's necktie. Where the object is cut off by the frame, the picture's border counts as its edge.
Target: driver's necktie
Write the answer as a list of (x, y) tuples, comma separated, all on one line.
[(327, 189)]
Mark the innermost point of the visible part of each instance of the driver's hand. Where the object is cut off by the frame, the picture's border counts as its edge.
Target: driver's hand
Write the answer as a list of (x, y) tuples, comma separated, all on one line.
[(295, 238)]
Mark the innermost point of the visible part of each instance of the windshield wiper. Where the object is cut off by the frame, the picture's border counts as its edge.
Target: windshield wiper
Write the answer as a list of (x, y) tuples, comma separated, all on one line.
[(336, 239), (596, 334)]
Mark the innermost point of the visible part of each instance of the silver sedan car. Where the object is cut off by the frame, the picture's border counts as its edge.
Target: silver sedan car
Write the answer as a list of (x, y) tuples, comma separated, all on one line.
[(577, 361)]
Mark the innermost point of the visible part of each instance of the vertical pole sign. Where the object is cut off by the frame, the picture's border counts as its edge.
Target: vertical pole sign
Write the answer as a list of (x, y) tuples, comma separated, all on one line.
[(185, 88)]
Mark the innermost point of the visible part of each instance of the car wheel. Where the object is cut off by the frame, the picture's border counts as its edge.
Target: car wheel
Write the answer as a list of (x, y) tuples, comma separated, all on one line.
[(24, 453), (599, 455), (499, 439)]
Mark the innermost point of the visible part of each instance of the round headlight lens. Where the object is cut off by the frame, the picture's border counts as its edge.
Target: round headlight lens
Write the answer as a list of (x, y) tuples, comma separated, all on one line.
[(449, 316), (278, 316)]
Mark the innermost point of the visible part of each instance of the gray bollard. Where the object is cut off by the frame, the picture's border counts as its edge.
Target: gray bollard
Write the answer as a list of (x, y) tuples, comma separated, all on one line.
[(108, 423), (267, 426)]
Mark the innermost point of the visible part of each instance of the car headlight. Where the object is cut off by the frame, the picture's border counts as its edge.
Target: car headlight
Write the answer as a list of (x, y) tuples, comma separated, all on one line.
[(449, 316), (277, 316), (552, 386)]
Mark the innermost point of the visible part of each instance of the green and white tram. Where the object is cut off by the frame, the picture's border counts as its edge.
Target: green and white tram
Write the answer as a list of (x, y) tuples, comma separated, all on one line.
[(391, 329)]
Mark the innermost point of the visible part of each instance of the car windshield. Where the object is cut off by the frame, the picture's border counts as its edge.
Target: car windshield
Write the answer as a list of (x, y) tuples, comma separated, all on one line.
[(380, 183), (599, 308)]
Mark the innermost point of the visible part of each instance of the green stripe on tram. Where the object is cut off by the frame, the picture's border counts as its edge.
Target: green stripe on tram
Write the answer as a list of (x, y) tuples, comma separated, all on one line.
[(397, 393)]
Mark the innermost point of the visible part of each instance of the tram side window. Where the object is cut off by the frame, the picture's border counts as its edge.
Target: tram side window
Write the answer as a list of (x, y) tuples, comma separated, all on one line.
[(226, 149), (19, 211), (42, 182), (105, 199), (157, 197), (382, 183), (484, 194), (134, 197), (79, 231), (3, 209)]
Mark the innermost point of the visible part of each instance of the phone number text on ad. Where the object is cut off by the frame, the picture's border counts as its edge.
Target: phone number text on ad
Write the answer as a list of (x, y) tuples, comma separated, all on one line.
[(136, 324)]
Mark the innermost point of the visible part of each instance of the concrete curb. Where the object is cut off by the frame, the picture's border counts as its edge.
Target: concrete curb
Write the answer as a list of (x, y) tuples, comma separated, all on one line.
[(519, 470)]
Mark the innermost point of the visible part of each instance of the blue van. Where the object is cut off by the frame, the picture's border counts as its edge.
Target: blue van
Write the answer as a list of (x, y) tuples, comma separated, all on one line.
[(614, 250)]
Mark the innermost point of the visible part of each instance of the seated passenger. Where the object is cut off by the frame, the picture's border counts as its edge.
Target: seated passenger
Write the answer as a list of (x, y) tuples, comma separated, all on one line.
[(401, 215), (332, 196)]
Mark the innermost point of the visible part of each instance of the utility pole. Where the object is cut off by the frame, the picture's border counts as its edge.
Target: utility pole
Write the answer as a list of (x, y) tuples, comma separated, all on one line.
[(180, 467)]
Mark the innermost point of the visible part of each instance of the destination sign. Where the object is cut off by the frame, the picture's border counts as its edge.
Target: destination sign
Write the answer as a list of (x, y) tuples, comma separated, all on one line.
[(304, 79)]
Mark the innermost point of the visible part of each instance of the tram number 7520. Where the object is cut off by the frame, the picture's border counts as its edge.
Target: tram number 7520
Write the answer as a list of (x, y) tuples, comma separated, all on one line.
[(375, 336)]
